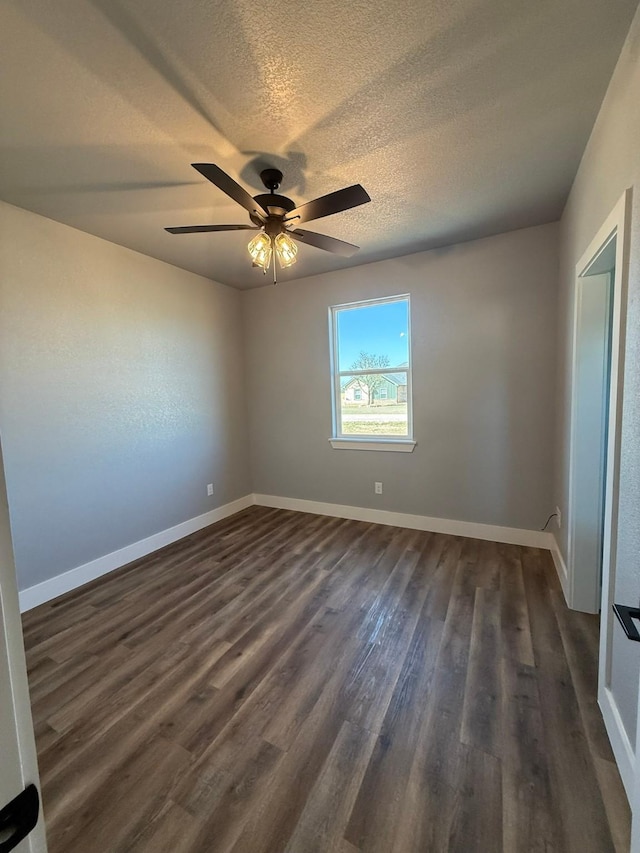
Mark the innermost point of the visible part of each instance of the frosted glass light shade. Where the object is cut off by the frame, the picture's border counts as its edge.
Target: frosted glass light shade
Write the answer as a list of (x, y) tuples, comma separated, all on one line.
[(286, 250), (261, 250)]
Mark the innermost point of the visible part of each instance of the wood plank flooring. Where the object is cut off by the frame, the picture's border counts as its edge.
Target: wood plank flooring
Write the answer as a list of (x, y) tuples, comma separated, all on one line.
[(288, 683)]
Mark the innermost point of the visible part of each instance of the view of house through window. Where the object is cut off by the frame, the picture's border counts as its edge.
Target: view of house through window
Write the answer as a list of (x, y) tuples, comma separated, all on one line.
[(372, 369)]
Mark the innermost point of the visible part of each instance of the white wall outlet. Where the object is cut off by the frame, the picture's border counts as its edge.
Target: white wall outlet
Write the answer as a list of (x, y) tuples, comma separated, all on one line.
[(210, 489), (377, 487), (558, 517)]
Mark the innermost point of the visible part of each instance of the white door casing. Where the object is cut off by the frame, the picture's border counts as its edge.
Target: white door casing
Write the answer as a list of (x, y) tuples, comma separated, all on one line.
[(18, 764), (583, 587), (635, 800)]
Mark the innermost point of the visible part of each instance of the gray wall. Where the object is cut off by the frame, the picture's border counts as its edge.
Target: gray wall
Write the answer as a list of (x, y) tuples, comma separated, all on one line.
[(611, 163), (484, 331), (121, 394), (122, 389)]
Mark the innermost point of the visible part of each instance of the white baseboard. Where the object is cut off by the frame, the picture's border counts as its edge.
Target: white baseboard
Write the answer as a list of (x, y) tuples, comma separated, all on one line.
[(474, 530), (561, 569), (52, 588), (74, 578), (620, 743)]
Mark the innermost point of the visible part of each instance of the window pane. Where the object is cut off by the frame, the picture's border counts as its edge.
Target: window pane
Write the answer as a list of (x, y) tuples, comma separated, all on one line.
[(374, 404), (373, 336)]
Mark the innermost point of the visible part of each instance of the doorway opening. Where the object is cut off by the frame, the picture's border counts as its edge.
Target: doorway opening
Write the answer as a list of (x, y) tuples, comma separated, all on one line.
[(594, 459), (590, 425)]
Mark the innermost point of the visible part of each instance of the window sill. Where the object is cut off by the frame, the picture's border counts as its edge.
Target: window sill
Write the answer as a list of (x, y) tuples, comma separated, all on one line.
[(401, 445)]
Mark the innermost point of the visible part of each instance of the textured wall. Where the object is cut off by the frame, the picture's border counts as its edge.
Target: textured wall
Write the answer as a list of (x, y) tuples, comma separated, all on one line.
[(484, 323), (611, 163), (121, 394)]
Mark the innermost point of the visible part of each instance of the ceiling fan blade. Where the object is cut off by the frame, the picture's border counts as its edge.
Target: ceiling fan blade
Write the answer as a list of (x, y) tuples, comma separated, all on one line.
[(233, 189), (198, 229), (327, 204), (321, 241)]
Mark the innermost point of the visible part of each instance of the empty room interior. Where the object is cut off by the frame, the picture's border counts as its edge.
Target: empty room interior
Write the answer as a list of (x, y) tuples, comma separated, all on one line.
[(320, 426)]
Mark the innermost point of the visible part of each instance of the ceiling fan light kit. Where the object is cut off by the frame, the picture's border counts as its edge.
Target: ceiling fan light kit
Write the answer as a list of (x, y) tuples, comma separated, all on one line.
[(273, 214)]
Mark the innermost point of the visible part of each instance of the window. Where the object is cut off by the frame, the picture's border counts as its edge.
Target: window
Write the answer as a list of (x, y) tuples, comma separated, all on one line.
[(371, 366)]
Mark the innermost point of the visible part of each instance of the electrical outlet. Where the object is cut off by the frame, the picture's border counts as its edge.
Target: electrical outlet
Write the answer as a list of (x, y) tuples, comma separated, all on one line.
[(377, 487), (210, 489), (558, 517)]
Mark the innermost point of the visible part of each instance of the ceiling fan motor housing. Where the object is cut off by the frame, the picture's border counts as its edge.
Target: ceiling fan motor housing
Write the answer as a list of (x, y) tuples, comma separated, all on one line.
[(277, 206)]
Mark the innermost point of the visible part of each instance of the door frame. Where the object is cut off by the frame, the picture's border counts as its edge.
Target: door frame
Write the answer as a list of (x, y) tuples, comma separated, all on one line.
[(616, 226), (17, 694)]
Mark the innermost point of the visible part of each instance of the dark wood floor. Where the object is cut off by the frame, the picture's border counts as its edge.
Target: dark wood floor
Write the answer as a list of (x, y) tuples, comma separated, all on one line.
[(289, 682)]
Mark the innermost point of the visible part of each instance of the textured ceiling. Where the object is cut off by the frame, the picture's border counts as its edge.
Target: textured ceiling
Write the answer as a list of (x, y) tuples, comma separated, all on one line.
[(460, 118)]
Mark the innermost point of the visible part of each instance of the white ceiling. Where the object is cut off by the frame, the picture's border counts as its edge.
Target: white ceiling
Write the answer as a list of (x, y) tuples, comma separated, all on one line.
[(461, 118)]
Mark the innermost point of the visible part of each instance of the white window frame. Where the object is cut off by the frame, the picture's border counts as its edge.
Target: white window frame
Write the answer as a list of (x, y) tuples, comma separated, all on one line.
[(340, 441)]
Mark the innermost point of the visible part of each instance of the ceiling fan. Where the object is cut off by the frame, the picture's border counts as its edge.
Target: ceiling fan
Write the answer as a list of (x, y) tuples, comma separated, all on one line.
[(275, 215)]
